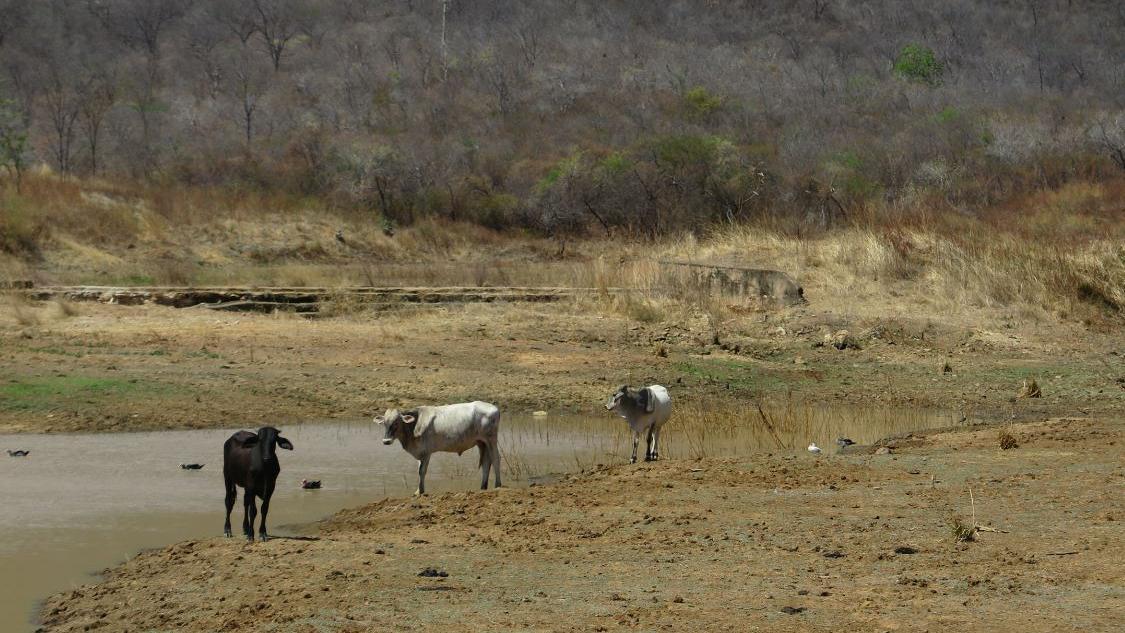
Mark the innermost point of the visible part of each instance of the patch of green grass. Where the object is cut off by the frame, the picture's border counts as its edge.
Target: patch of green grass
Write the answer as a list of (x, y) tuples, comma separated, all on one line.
[(739, 375), (53, 392), (117, 279), (1018, 372)]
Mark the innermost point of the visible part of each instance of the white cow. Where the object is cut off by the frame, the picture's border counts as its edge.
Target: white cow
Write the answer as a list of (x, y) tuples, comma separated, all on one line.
[(645, 409), (453, 428)]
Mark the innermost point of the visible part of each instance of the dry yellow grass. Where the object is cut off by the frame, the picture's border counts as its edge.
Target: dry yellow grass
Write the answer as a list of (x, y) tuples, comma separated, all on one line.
[(976, 267), (1059, 252)]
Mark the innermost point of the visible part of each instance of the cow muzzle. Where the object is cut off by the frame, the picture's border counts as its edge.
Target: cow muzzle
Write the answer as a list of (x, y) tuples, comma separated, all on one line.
[(387, 441)]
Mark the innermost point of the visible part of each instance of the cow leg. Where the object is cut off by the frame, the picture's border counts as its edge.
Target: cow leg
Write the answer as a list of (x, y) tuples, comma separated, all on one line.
[(494, 449), (232, 494), (423, 464), (655, 443), (249, 512), (648, 446), (262, 536), (636, 438), (485, 464)]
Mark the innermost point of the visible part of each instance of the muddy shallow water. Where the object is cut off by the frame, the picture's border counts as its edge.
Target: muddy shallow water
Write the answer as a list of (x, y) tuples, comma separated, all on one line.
[(80, 503)]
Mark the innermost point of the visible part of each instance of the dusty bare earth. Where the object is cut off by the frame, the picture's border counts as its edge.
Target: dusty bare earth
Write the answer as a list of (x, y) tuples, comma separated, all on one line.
[(700, 545), (112, 368), (773, 542)]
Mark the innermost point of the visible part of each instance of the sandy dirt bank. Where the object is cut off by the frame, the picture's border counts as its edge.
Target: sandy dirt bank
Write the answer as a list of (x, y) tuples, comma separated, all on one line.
[(773, 542)]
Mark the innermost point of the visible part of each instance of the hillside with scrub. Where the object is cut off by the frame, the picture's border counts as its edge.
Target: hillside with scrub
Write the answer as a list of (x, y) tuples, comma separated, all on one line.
[(874, 250), (956, 166), (577, 117)]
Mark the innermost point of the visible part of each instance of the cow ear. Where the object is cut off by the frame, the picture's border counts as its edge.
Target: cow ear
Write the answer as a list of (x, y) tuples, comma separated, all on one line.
[(284, 443), (378, 419)]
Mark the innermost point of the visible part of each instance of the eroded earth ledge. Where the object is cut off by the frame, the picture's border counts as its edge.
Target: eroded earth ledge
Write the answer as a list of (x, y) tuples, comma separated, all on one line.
[(772, 542)]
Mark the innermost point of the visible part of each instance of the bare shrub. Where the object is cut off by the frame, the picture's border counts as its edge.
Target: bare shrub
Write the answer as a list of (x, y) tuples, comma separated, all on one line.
[(639, 309), (1030, 389), (64, 309), (340, 303), (173, 271), (22, 311), (962, 532)]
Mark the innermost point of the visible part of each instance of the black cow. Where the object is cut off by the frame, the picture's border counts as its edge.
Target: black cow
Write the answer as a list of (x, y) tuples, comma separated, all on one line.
[(250, 461)]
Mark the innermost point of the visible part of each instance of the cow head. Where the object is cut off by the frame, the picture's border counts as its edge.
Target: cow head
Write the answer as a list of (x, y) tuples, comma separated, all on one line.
[(630, 399), (268, 438), (396, 424), (615, 399)]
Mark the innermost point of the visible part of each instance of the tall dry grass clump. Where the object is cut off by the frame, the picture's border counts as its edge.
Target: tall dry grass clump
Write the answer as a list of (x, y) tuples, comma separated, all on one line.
[(1068, 259), (18, 310)]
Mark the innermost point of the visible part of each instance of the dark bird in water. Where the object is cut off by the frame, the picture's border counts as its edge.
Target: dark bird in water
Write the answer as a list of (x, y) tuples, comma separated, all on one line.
[(191, 466), (12, 453), (843, 441), (310, 484)]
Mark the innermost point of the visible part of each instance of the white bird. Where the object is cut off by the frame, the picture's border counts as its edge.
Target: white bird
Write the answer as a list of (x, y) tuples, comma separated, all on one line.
[(814, 449)]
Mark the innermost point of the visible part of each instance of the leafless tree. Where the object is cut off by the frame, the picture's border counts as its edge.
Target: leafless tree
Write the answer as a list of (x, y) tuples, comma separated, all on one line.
[(63, 105), (1110, 136), (528, 35), (13, 15), (97, 97), (249, 84), (277, 23), (138, 23)]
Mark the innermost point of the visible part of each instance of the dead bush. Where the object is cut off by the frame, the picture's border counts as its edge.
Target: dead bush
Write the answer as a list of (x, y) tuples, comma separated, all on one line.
[(1030, 389)]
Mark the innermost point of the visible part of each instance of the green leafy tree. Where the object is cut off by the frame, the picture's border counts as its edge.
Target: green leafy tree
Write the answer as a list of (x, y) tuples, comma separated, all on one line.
[(13, 141), (701, 103), (919, 64)]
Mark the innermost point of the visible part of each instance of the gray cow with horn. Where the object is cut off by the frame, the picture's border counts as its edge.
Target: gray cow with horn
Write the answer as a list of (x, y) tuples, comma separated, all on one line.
[(452, 428), (646, 410)]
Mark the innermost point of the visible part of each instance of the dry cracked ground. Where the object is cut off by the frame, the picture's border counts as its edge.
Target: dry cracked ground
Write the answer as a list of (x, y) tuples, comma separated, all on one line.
[(771, 542)]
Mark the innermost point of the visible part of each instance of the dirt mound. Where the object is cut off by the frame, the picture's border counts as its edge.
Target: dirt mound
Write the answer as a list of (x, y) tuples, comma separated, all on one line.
[(785, 543)]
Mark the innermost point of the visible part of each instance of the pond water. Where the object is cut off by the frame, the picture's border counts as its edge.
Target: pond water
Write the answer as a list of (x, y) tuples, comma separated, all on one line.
[(79, 503)]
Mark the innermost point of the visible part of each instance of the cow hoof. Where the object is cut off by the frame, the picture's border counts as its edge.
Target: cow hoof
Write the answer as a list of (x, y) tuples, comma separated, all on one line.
[(226, 533), (263, 538)]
